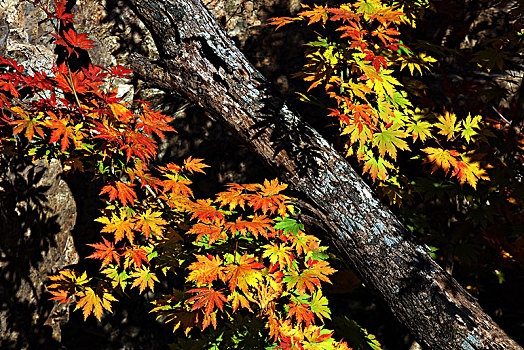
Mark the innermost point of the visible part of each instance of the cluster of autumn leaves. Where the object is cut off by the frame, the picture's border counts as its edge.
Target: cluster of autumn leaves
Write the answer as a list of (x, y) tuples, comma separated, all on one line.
[(242, 250), (371, 104), (245, 249)]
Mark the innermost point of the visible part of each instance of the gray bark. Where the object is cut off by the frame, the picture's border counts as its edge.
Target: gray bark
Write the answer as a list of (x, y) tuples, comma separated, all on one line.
[(199, 61)]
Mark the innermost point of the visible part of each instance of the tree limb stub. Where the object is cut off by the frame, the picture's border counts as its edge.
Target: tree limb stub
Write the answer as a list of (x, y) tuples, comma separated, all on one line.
[(201, 62)]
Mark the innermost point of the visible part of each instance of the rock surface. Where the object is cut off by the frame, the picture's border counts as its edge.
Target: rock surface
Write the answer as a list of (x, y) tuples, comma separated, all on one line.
[(37, 215)]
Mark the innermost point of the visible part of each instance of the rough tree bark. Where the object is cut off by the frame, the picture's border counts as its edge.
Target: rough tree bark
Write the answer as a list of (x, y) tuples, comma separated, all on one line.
[(201, 62)]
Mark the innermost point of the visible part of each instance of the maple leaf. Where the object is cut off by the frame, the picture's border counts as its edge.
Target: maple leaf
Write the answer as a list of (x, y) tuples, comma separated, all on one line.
[(281, 21), (154, 122), (61, 12), (62, 128), (244, 274), (318, 338), (7, 85), (61, 295), (139, 145), (257, 225), (441, 158), (209, 298), (177, 185), (448, 125), (206, 270), (419, 129), (384, 84), (377, 168), (73, 82), (67, 279), (123, 191), (344, 13), (301, 311), (105, 251), (235, 195), (30, 124), (91, 301), (319, 305), (388, 140), (119, 71), (118, 278), (467, 171), (317, 14), (278, 254), (78, 40), (65, 284), (237, 300), (195, 165), (108, 133), (206, 213), (469, 125), (354, 31), (269, 199), (135, 254), (303, 243), (150, 222), (144, 278), (308, 278), (384, 34), (121, 113), (214, 232), (119, 225)]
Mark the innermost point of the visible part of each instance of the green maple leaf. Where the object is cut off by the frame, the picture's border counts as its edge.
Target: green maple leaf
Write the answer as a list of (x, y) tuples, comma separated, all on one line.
[(469, 124), (377, 168), (319, 305), (385, 84), (117, 278), (388, 140), (288, 225), (419, 129)]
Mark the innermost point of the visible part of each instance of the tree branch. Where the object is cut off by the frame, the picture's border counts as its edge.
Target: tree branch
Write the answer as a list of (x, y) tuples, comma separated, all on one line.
[(201, 62)]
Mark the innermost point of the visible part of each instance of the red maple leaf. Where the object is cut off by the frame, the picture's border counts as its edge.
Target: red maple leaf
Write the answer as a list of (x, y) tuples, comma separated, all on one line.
[(119, 71), (64, 130), (61, 13), (79, 40), (123, 191), (136, 254), (105, 251)]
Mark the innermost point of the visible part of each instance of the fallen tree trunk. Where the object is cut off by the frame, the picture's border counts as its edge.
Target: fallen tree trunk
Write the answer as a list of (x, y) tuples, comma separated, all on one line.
[(201, 62)]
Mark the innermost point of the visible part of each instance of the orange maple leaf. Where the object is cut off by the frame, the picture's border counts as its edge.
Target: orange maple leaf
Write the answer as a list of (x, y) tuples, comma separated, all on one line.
[(195, 165), (206, 270), (91, 301), (205, 212), (257, 225), (120, 226), (208, 298), (441, 158), (215, 232), (244, 274), (301, 311)]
